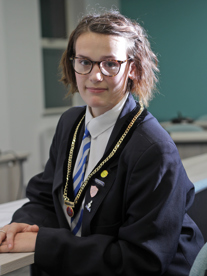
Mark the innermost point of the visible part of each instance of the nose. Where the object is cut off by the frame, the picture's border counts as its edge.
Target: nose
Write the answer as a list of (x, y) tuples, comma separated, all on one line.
[(95, 74)]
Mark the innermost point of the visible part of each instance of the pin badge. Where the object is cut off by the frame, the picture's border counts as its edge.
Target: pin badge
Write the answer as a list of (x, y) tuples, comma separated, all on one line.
[(93, 190), (88, 206), (99, 182), (104, 173)]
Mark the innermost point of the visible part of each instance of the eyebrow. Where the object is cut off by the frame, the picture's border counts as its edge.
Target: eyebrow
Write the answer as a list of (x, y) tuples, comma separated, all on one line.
[(102, 57)]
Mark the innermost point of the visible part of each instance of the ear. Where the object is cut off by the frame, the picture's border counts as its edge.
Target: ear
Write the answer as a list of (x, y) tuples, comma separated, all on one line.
[(131, 71)]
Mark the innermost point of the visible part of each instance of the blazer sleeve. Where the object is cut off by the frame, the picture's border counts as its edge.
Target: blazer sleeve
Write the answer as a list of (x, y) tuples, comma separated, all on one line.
[(157, 194)]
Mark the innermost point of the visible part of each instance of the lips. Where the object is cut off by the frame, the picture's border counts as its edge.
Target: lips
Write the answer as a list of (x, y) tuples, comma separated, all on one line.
[(96, 89)]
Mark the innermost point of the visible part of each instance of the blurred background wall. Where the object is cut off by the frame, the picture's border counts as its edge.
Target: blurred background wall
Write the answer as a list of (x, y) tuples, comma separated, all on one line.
[(177, 31), (178, 34), (23, 117)]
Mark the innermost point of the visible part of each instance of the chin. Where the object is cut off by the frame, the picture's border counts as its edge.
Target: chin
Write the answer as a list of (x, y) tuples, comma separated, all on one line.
[(96, 104)]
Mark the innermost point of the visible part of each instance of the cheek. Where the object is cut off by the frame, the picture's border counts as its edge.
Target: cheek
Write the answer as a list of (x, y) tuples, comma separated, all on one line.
[(120, 82), (77, 78), (79, 81)]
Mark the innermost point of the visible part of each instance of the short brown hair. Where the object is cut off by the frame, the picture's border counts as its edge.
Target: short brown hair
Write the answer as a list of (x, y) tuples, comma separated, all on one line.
[(139, 51)]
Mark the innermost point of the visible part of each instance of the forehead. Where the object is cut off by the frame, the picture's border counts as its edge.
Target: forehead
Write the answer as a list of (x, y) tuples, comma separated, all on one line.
[(94, 45)]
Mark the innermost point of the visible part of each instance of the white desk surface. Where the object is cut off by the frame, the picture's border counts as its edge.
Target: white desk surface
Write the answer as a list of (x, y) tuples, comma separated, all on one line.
[(196, 122), (196, 168), (7, 210), (188, 136), (12, 261)]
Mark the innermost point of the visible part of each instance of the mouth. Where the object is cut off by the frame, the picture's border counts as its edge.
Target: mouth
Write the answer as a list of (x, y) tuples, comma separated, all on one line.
[(96, 89)]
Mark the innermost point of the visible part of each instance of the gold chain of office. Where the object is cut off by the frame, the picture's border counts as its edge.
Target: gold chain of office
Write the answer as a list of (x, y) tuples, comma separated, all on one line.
[(65, 197)]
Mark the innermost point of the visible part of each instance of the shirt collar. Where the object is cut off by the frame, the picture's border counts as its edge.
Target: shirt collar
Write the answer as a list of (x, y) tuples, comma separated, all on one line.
[(99, 124)]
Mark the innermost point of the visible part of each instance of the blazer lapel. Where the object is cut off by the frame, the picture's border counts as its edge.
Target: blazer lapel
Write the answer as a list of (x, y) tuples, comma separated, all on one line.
[(92, 204), (64, 149)]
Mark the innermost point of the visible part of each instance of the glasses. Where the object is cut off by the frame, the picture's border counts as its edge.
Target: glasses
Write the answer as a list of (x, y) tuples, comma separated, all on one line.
[(109, 68)]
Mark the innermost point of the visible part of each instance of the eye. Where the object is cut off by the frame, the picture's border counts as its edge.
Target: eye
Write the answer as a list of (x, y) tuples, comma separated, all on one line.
[(84, 62), (110, 64)]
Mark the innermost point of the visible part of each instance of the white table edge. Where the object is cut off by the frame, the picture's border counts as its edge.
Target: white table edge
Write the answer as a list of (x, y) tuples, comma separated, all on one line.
[(13, 261)]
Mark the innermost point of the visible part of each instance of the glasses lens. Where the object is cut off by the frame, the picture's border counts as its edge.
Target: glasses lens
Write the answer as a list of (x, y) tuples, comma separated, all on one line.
[(110, 67), (82, 66)]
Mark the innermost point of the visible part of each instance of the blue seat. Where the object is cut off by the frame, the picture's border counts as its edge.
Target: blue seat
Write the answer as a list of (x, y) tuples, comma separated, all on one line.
[(199, 267), (200, 185), (198, 213)]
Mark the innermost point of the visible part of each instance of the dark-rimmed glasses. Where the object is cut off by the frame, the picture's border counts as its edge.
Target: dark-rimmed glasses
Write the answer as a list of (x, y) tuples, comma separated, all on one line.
[(109, 68)]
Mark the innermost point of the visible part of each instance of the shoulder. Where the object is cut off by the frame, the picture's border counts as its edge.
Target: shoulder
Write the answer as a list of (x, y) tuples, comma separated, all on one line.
[(152, 132), (152, 150), (69, 120), (72, 113), (70, 116), (148, 130), (150, 137)]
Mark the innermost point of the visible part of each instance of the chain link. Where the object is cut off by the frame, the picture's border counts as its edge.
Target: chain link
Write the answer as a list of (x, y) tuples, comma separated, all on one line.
[(66, 199)]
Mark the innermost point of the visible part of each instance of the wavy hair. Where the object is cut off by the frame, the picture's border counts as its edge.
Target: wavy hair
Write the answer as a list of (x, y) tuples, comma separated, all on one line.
[(139, 51)]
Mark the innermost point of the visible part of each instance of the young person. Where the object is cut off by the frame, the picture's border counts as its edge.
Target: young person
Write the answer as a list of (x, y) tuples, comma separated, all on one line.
[(124, 211)]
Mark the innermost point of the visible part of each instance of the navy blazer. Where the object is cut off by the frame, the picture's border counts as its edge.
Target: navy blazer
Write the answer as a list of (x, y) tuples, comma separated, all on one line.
[(138, 223)]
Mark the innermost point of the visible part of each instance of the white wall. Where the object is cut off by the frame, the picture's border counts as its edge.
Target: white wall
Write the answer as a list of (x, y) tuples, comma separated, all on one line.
[(21, 86), (4, 113), (21, 79)]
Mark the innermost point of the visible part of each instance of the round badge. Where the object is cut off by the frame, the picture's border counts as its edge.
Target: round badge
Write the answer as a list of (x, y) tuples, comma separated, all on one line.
[(70, 211), (104, 174)]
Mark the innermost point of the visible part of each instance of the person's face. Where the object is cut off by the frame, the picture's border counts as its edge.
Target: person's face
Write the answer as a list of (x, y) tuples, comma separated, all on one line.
[(101, 93)]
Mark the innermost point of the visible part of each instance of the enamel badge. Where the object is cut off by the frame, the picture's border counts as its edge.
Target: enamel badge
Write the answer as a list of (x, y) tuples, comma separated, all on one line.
[(99, 182), (93, 190), (88, 206), (104, 173)]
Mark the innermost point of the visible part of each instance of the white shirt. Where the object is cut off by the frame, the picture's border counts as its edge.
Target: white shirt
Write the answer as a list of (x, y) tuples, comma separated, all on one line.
[(100, 129)]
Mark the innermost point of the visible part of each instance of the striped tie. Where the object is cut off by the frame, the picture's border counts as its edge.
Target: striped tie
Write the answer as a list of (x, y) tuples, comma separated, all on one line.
[(78, 180)]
